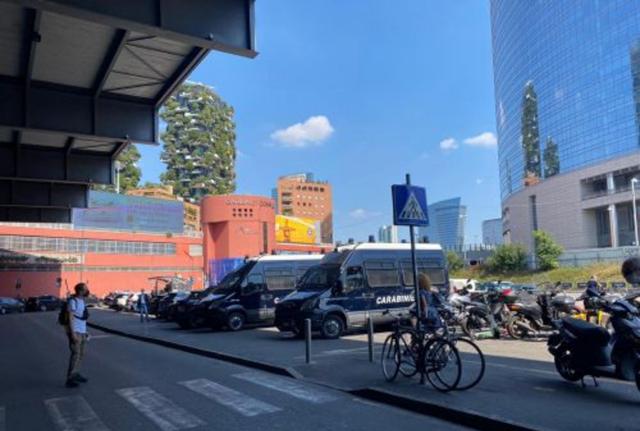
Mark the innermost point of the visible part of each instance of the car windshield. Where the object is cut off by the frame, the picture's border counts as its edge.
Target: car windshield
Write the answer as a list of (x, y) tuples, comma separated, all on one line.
[(319, 277), (231, 281)]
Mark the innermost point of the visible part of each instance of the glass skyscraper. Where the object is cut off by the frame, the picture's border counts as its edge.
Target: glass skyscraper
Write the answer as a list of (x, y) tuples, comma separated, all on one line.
[(446, 224), (567, 85), (567, 93)]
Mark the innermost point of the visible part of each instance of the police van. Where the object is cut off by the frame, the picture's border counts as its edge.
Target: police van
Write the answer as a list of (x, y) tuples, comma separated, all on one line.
[(356, 282), (250, 293)]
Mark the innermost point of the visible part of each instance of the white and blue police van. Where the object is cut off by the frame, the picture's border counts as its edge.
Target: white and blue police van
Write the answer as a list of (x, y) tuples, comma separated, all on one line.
[(250, 293), (357, 282)]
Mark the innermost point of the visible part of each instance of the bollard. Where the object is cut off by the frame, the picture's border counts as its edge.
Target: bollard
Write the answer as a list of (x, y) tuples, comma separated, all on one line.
[(307, 339), (370, 337)]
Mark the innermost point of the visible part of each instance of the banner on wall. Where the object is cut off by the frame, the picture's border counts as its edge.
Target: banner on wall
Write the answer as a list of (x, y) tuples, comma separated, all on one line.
[(130, 213), (297, 230)]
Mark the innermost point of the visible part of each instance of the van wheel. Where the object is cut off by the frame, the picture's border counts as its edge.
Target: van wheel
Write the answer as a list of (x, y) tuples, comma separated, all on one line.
[(332, 327), (235, 321)]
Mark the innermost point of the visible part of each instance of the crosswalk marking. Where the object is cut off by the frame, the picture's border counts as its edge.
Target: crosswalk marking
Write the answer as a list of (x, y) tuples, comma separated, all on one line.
[(287, 386), (160, 410), (3, 419), (73, 414), (228, 397)]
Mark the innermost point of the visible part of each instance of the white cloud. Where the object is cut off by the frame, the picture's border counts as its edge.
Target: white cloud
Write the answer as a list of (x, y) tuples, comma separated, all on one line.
[(483, 140), (314, 131), (479, 181), (448, 144), (363, 214)]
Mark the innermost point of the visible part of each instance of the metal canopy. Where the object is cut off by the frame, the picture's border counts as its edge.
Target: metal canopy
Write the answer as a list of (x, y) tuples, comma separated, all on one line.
[(81, 79)]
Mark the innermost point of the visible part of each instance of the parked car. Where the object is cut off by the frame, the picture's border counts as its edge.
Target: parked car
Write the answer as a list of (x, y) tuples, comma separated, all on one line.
[(132, 302), (164, 307), (43, 303), (119, 302), (11, 305), (91, 301)]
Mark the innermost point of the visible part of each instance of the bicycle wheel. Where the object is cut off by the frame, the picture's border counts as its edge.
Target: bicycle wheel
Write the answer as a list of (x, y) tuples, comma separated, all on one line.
[(408, 354), (442, 364), (473, 364), (390, 359)]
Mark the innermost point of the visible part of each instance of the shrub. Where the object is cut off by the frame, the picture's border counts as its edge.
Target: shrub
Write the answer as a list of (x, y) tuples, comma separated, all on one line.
[(507, 258), (547, 250), (454, 261)]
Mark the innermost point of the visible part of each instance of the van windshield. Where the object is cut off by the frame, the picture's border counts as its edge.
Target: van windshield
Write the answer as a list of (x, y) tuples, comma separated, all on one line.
[(319, 277), (232, 280)]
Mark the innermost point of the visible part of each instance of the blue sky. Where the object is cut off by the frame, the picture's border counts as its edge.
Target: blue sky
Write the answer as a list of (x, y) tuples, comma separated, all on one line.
[(361, 92)]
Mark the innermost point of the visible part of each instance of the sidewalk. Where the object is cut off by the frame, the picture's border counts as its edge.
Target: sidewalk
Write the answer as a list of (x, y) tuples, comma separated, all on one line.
[(520, 384)]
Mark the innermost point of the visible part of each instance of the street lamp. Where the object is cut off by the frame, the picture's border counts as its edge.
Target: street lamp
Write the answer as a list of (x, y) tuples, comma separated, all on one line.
[(634, 181), (118, 167)]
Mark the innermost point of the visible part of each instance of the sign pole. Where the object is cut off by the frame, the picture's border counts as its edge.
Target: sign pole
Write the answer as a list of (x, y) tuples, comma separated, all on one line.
[(414, 266)]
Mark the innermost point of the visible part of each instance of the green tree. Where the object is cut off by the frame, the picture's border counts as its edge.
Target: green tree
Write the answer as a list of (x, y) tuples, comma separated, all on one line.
[(199, 143), (530, 132), (547, 250), (454, 261), (508, 258), (551, 158), (130, 173)]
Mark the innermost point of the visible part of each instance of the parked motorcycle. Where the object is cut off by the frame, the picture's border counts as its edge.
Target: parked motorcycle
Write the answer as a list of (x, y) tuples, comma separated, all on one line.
[(583, 349), (535, 319), (486, 317)]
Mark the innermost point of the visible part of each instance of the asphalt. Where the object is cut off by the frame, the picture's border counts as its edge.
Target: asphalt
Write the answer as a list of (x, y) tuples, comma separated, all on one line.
[(520, 385), (141, 386)]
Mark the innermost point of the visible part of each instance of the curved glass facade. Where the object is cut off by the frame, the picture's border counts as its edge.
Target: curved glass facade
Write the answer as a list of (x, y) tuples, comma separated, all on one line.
[(567, 85)]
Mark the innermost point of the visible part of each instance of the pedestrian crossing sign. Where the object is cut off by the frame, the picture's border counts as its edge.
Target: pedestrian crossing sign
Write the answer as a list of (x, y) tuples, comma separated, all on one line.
[(409, 205)]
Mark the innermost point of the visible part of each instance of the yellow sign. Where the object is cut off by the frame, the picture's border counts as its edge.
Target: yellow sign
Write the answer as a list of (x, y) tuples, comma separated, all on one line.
[(297, 230)]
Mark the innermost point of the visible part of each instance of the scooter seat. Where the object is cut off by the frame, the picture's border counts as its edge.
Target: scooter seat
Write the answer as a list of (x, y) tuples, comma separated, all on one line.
[(587, 331)]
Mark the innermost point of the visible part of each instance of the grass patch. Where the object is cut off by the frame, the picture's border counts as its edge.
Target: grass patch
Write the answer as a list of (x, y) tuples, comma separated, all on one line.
[(606, 272)]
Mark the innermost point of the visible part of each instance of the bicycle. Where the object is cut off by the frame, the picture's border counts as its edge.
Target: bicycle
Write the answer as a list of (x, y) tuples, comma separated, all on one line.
[(409, 351)]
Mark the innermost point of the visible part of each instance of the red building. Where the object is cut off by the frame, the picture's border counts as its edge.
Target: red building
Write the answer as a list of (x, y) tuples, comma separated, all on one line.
[(40, 260)]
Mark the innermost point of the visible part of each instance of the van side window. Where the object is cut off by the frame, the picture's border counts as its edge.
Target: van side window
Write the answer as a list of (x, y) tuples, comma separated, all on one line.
[(382, 273), (280, 278), (354, 279), (434, 272)]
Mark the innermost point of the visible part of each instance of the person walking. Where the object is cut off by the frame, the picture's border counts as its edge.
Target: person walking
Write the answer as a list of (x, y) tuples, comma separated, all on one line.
[(77, 333), (143, 306)]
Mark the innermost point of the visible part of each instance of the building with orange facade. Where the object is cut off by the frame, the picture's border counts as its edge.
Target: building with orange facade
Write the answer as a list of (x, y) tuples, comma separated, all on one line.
[(299, 195), (49, 260)]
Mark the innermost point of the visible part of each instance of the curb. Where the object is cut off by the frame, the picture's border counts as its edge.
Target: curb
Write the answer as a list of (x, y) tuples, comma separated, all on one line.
[(282, 371), (464, 417)]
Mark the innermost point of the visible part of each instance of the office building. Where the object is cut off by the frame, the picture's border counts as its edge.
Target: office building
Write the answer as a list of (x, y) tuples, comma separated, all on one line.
[(299, 195), (388, 234), (447, 221), (492, 231), (567, 93)]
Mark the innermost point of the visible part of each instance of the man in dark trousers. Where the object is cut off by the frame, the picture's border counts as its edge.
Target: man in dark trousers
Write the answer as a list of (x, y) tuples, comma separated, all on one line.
[(143, 305), (77, 333)]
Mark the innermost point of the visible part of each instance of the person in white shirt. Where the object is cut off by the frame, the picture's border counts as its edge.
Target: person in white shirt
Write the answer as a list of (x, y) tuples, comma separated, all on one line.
[(77, 333)]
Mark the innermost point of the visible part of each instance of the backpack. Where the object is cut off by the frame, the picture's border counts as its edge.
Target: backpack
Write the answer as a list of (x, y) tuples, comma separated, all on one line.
[(63, 314)]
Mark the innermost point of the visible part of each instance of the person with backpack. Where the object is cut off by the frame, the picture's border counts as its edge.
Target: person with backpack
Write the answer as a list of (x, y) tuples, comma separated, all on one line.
[(73, 316), (143, 305)]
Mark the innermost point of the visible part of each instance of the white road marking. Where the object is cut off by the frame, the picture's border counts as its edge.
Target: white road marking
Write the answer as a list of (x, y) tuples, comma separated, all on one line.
[(3, 419), (337, 352), (160, 410), (230, 398), (543, 389), (287, 386), (73, 414)]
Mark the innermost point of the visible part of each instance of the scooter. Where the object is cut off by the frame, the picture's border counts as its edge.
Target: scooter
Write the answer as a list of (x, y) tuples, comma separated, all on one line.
[(583, 349), (535, 319)]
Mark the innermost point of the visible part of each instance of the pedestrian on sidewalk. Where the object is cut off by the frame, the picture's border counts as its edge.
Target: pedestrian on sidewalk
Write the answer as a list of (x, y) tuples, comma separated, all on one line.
[(76, 328), (143, 306)]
